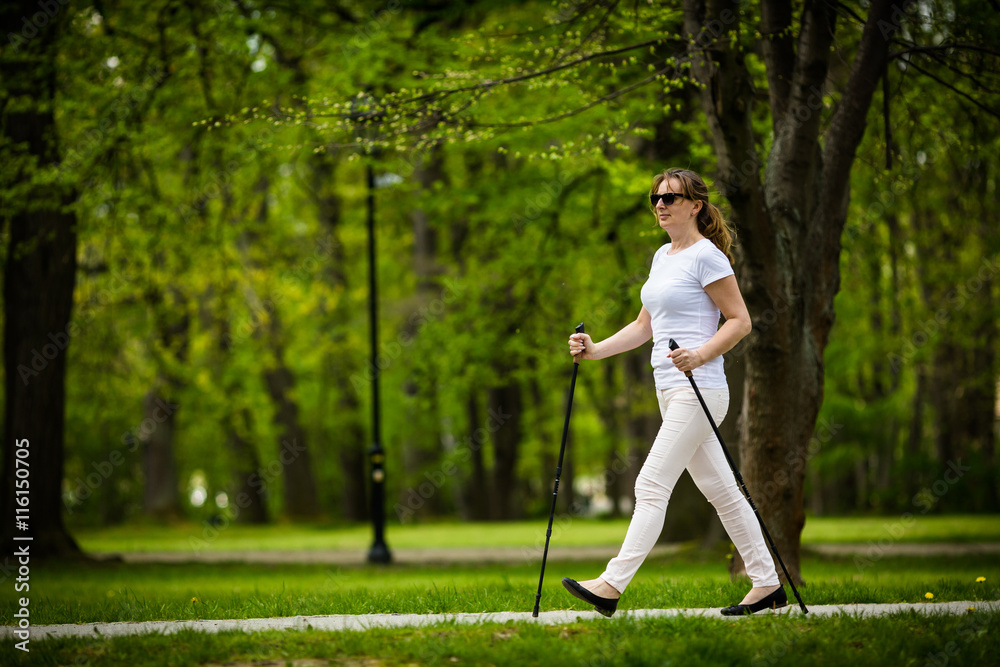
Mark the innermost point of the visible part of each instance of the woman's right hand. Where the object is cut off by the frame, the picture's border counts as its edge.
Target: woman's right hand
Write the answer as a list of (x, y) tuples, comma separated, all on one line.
[(581, 344)]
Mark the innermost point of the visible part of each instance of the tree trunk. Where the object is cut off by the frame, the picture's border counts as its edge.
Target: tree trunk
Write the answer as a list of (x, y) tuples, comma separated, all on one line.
[(506, 440), (983, 401), (771, 467), (39, 279), (248, 495), (915, 438), (476, 491), (789, 224), (296, 464), (161, 492)]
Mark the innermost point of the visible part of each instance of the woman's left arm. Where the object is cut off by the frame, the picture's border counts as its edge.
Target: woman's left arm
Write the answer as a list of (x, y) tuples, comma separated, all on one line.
[(725, 292)]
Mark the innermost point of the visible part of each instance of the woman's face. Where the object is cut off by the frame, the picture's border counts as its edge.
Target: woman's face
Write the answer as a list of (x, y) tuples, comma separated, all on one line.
[(683, 210)]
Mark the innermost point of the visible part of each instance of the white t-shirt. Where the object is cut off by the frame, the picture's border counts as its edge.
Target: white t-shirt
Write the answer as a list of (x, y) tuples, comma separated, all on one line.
[(680, 309)]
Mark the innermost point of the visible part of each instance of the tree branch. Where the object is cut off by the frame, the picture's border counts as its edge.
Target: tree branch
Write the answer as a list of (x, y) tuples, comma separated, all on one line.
[(846, 130), (982, 107), (848, 123), (976, 82), (779, 55), (943, 47), (794, 163), (486, 85), (578, 110), (600, 22), (850, 13)]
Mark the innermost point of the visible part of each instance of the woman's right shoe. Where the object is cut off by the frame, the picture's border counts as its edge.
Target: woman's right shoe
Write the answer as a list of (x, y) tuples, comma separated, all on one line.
[(606, 606), (774, 600)]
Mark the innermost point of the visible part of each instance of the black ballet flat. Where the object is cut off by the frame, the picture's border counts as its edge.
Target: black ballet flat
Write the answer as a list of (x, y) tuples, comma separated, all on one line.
[(606, 606), (775, 600)]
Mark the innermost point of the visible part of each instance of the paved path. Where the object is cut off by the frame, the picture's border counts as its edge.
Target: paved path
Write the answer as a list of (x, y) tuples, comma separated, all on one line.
[(370, 621), (441, 556)]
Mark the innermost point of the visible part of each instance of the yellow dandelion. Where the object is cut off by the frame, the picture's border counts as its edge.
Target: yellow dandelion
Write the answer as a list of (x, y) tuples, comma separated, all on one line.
[(980, 580), (196, 599), (929, 596), (972, 608)]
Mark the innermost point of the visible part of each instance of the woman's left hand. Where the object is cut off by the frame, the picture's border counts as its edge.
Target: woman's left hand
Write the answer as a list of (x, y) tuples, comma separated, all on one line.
[(686, 360)]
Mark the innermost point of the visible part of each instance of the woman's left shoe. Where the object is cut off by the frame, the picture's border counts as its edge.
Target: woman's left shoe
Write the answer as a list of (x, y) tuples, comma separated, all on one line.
[(775, 600), (605, 606)]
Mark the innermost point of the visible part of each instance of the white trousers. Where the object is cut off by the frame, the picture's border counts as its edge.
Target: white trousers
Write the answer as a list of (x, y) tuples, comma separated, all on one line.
[(686, 440)]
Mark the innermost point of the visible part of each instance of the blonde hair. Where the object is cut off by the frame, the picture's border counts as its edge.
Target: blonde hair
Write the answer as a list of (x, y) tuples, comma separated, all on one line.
[(711, 224)]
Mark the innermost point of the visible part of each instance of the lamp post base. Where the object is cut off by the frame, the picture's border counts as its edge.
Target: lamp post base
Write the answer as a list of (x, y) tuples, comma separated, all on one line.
[(379, 553)]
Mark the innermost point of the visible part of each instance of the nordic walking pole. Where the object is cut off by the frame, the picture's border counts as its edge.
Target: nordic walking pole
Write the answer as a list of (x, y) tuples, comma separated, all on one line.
[(739, 478), (555, 490)]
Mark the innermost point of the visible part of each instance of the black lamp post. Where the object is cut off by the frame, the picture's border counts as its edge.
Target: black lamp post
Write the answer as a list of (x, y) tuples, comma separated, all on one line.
[(379, 552), (362, 114)]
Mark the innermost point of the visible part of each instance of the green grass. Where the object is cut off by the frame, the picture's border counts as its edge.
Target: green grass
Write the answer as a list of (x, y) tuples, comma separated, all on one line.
[(62, 593), (574, 532), (118, 592), (902, 639)]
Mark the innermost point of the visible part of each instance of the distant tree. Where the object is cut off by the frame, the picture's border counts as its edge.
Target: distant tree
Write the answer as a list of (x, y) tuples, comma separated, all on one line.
[(39, 277)]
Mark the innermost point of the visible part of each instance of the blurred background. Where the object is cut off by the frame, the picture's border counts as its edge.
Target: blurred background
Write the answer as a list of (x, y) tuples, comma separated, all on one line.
[(224, 159)]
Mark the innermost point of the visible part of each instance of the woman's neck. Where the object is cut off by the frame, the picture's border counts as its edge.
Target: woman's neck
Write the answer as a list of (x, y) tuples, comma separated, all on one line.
[(681, 239)]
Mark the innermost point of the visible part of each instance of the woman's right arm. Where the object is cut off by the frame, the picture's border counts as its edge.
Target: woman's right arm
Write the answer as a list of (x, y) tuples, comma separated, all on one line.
[(631, 336)]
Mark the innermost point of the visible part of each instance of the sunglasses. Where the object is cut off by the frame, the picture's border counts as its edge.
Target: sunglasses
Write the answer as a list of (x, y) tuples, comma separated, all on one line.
[(667, 197)]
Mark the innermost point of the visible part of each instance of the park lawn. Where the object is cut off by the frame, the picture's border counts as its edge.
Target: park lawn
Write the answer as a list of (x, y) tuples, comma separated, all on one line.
[(693, 578), (566, 532), (900, 639)]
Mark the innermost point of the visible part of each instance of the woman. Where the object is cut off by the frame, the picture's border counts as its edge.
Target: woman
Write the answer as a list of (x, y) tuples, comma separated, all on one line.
[(690, 282)]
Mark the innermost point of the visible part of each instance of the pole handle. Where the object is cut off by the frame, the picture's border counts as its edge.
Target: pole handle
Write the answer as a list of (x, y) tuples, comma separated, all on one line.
[(672, 344), (579, 329)]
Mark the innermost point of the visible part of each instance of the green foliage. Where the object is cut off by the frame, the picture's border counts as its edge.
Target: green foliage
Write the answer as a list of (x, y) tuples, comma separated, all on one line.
[(912, 356)]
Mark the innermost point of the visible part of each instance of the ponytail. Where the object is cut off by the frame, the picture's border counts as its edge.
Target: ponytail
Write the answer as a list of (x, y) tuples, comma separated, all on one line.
[(714, 227)]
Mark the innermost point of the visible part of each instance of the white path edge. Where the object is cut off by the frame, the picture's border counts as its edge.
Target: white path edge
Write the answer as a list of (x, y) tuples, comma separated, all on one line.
[(371, 621)]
